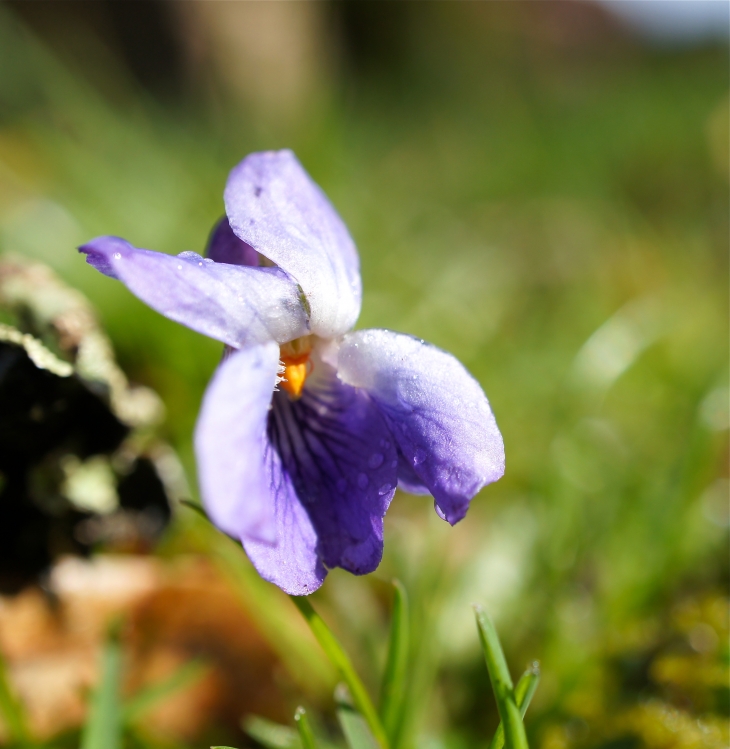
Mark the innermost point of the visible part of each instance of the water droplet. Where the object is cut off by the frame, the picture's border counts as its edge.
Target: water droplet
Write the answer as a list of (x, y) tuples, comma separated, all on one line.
[(384, 489), (394, 464), (376, 460), (341, 485), (117, 255), (179, 267), (200, 264), (418, 457), (385, 444), (362, 481)]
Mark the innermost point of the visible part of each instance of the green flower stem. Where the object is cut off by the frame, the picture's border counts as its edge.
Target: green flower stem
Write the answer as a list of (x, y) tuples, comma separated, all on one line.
[(514, 729), (394, 679), (342, 663), (524, 690), (305, 729)]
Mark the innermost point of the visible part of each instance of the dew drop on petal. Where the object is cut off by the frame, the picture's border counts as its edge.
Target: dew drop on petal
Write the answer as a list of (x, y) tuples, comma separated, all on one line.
[(394, 464), (385, 444), (376, 460), (418, 457), (117, 255), (362, 481), (384, 489), (179, 267)]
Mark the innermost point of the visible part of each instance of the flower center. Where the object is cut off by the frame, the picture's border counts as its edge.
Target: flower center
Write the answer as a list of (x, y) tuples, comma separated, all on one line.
[(294, 356)]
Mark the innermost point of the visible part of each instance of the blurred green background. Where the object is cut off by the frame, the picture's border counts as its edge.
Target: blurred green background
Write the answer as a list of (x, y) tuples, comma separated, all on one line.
[(532, 186)]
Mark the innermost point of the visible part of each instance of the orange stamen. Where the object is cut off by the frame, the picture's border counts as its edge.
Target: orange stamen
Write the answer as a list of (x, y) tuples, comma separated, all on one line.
[(295, 358)]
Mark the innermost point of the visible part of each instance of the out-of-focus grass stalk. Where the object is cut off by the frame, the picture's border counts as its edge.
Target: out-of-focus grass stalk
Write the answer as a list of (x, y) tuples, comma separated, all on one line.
[(267, 607), (342, 663), (524, 691), (514, 729), (103, 728), (11, 709), (392, 691), (147, 699), (305, 729)]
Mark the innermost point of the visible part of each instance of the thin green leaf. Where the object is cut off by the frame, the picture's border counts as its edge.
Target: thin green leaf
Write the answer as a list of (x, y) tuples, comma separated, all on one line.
[(103, 729), (269, 734), (357, 733), (305, 729), (392, 692), (195, 507), (514, 730), (11, 708), (524, 691), (341, 661), (149, 698)]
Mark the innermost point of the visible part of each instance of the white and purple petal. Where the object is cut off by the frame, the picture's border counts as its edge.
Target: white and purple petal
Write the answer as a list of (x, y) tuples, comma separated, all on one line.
[(436, 411), (235, 304), (274, 206), (231, 443), (245, 491), (341, 458)]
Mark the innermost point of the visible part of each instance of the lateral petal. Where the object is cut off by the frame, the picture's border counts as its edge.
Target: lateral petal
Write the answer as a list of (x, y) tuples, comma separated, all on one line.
[(436, 410), (274, 206), (231, 443), (235, 304), (293, 561)]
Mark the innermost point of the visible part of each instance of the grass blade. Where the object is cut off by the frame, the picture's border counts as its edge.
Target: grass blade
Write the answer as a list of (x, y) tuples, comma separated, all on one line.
[(103, 728), (392, 692), (11, 709), (269, 734), (342, 663), (357, 733), (514, 730), (524, 691), (149, 698), (305, 730)]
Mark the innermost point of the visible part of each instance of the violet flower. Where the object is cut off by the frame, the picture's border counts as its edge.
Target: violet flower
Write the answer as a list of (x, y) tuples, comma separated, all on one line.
[(303, 473)]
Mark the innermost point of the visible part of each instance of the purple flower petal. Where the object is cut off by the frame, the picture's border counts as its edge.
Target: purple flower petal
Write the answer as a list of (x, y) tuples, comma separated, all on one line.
[(225, 247), (274, 206), (341, 458), (231, 443), (293, 562), (436, 411), (232, 303)]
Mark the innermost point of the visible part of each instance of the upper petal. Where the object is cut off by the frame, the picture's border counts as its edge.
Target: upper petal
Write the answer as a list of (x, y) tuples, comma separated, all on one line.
[(273, 205), (341, 458), (225, 247), (436, 410), (231, 443), (234, 304)]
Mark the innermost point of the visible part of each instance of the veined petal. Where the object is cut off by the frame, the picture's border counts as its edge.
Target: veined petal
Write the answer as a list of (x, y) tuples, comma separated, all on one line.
[(234, 304), (225, 247), (436, 410), (293, 561), (231, 443), (342, 462), (273, 205)]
